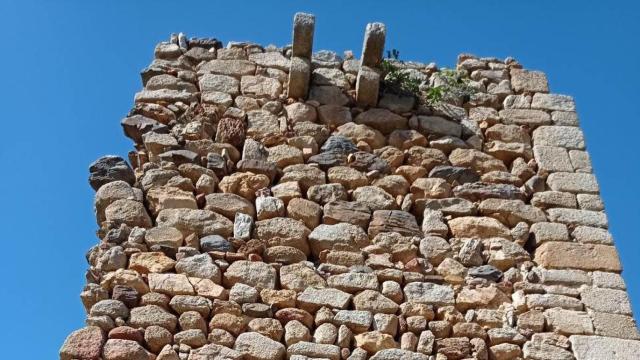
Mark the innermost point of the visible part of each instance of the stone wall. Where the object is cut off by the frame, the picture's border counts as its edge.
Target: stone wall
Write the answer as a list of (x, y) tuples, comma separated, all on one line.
[(279, 205)]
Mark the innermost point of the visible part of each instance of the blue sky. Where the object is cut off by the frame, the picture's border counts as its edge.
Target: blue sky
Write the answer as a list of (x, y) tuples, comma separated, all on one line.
[(70, 70)]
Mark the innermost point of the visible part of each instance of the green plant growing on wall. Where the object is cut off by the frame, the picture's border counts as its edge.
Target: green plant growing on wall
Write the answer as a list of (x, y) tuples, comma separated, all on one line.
[(448, 84), (451, 84), (397, 81)]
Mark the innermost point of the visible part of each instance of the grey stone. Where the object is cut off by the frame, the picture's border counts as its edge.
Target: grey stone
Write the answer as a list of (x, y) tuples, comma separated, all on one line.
[(598, 348), (553, 102), (255, 346), (606, 300), (569, 137), (110, 168), (299, 76), (303, 29), (551, 158), (573, 182), (437, 125), (429, 293), (373, 45), (578, 217)]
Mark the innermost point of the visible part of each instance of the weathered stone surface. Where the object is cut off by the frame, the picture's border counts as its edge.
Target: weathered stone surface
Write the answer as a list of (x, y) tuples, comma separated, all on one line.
[(351, 212), (201, 222), (255, 346), (312, 298), (529, 81), (299, 277), (283, 231), (429, 293), (560, 255), (606, 300), (573, 182), (483, 227), (110, 168), (257, 274), (597, 347), (396, 221), (83, 344), (312, 350), (326, 237), (117, 349), (382, 120)]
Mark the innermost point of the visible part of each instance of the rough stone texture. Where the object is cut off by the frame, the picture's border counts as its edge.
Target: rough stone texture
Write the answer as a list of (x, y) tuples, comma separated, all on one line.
[(277, 204)]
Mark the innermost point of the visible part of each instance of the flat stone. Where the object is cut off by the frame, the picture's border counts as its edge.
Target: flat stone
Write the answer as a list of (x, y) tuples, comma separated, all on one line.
[(573, 182), (312, 350), (272, 59), (398, 354), (260, 87), (214, 351), (437, 125), (429, 293), (553, 102), (613, 325), (326, 237), (397, 221), (511, 212), (592, 235), (353, 282), (531, 118), (351, 212), (606, 300), (545, 231), (543, 351), (375, 302), (573, 217), (529, 81), (200, 266), (560, 255), (235, 68), (597, 348), (356, 320), (313, 299), (382, 120), (461, 175), (567, 322), (170, 284), (569, 137), (480, 191), (200, 222), (221, 83), (552, 158), (482, 227)]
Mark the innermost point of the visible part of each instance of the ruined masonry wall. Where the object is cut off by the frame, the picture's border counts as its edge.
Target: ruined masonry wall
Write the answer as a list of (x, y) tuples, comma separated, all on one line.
[(280, 204)]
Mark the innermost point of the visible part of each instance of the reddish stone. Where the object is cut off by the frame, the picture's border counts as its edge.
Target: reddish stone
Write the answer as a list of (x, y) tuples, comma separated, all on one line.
[(83, 344), (126, 333)]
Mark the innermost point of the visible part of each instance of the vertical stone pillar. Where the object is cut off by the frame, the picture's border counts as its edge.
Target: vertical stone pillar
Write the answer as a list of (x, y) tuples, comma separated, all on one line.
[(368, 80), (300, 70)]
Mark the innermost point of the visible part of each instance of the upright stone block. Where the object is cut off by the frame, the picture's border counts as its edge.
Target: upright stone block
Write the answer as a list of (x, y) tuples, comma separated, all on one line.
[(373, 46), (300, 68), (303, 28), (368, 80)]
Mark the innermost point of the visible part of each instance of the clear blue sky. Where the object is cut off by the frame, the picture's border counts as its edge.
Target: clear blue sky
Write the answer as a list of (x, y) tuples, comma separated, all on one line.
[(70, 70)]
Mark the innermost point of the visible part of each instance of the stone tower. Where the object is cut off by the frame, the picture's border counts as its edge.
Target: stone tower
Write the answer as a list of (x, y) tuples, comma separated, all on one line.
[(289, 203)]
